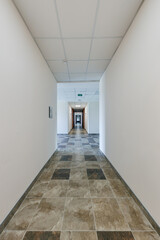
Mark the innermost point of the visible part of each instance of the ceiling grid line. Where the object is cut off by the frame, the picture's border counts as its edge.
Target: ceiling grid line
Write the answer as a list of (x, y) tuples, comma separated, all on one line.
[(94, 25), (78, 38), (76, 60), (74, 38), (60, 30)]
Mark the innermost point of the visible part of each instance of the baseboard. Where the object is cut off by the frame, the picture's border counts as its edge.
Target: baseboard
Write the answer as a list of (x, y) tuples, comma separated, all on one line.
[(14, 209), (144, 210)]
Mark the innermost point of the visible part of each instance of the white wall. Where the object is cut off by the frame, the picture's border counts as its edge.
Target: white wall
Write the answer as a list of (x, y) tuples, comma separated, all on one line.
[(87, 118), (62, 117), (27, 88), (93, 117), (69, 118), (130, 108)]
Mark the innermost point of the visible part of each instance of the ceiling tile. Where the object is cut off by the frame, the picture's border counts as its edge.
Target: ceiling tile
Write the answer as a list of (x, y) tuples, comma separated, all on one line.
[(81, 90), (93, 76), (77, 49), (77, 17), (60, 77), (58, 66), (77, 76), (115, 16), (40, 16), (104, 48), (64, 90), (97, 65), (77, 66), (52, 49)]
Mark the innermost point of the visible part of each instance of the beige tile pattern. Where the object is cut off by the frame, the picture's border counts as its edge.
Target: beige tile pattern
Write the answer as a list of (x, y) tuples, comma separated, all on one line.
[(38, 190), (109, 173), (63, 165), (46, 175), (146, 235), (133, 215), (78, 174), (92, 165), (78, 235), (24, 215), (78, 188), (49, 215), (108, 215), (12, 235), (71, 206), (78, 214), (57, 188), (118, 188), (100, 188)]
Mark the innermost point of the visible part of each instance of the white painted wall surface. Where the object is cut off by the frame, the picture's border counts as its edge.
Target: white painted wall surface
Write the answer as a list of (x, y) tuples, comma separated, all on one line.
[(62, 117), (130, 108), (94, 117), (69, 118), (27, 89), (87, 118)]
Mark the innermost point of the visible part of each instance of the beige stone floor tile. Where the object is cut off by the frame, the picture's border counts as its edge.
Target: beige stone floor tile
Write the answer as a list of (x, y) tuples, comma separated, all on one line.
[(38, 190), (78, 174), (12, 235), (146, 235), (78, 214), (49, 215), (77, 165), (46, 175), (64, 164), (133, 215), (92, 164), (108, 215), (118, 188), (78, 158), (100, 188), (55, 158), (89, 152), (52, 165), (29, 202), (24, 215), (104, 164), (78, 206), (92, 235), (56, 188), (109, 173), (78, 188)]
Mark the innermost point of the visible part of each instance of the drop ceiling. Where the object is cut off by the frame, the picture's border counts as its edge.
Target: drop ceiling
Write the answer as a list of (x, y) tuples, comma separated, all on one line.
[(78, 38), (69, 92)]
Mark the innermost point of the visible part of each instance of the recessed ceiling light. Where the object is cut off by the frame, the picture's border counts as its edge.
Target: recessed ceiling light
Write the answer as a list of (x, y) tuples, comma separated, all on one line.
[(78, 105)]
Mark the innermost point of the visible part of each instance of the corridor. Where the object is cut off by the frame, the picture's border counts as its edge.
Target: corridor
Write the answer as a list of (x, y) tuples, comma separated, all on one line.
[(78, 196)]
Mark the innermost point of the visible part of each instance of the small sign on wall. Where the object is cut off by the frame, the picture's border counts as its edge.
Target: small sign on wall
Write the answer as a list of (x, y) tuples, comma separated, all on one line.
[(50, 112)]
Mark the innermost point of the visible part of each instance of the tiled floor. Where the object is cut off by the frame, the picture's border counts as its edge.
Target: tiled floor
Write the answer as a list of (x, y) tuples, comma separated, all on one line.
[(78, 196)]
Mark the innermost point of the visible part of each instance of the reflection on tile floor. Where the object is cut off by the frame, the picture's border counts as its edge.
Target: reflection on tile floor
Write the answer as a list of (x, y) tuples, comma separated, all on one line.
[(78, 196)]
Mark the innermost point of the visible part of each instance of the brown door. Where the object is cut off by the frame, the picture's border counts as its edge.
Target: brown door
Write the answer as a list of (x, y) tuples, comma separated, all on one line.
[(83, 123)]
